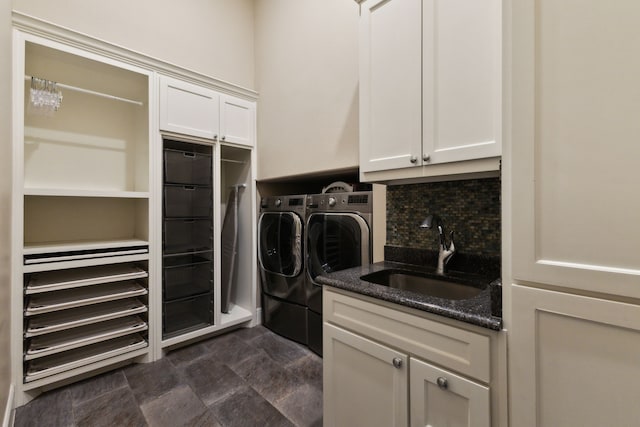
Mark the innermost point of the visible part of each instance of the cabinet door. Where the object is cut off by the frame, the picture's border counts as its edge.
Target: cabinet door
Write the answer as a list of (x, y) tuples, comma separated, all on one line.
[(188, 109), (390, 84), (462, 79), (365, 383), (575, 100), (440, 398), (237, 120), (573, 360)]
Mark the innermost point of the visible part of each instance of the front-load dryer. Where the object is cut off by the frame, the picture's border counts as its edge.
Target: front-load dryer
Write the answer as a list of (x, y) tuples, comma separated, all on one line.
[(282, 265), (339, 236)]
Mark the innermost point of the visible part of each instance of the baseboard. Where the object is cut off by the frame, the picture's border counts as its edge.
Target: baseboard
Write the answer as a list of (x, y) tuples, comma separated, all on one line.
[(259, 316), (8, 410)]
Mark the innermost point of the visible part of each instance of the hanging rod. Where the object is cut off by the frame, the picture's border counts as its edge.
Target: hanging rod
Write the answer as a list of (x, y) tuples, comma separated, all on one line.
[(239, 162), (91, 92)]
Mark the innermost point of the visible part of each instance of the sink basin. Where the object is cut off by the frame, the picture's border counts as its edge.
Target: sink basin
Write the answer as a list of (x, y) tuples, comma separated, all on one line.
[(435, 286)]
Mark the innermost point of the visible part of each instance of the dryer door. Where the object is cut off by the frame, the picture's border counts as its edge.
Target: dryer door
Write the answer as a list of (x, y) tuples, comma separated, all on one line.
[(335, 241), (280, 244)]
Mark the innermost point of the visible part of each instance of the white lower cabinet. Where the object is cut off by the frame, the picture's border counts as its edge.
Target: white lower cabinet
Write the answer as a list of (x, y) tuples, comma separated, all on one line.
[(380, 369), (442, 398), (367, 382)]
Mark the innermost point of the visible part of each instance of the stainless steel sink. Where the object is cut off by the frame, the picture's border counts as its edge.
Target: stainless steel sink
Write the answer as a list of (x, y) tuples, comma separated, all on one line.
[(439, 287)]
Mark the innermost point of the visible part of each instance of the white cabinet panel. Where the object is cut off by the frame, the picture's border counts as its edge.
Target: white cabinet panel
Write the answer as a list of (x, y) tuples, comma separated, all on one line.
[(362, 387), (237, 120), (574, 360), (189, 109), (390, 82), (462, 80), (440, 398), (576, 99), (430, 86)]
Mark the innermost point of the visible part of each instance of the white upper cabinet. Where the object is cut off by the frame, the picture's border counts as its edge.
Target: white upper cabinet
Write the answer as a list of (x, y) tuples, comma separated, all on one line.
[(237, 120), (189, 109), (195, 110), (390, 82), (575, 219), (430, 85)]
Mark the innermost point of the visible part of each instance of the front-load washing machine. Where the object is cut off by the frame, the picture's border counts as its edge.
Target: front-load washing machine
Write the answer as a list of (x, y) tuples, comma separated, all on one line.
[(339, 236), (282, 265)]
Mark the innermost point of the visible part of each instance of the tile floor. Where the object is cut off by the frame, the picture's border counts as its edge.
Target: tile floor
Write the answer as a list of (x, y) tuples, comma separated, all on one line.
[(247, 377)]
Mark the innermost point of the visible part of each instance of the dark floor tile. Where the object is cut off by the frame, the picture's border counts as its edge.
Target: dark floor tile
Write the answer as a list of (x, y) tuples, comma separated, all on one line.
[(308, 369), (303, 406), (267, 377), (210, 380), (247, 334), (280, 349), (230, 350), (93, 387), (49, 409), (151, 380), (114, 408), (179, 407), (188, 354), (246, 408)]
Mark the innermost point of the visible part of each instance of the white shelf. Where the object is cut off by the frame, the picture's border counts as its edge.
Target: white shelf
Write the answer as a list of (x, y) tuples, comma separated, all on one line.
[(80, 277), (59, 342), (75, 363), (236, 315), (51, 247), (72, 298), (62, 192), (81, 316)]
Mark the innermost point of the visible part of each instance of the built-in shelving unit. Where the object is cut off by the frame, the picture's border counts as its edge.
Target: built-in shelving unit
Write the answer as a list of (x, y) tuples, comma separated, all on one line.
[(188, 255), (83, 205)]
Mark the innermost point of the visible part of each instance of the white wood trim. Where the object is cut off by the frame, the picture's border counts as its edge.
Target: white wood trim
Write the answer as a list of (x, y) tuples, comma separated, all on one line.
[(61, 192), (35, 26), (7, 421)]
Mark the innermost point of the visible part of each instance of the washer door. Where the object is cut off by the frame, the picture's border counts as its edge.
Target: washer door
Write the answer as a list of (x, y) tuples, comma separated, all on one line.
[(336, 241), (280, 244)]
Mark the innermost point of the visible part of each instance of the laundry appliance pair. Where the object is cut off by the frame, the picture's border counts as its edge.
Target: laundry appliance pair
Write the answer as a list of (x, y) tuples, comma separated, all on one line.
[(299, 238)]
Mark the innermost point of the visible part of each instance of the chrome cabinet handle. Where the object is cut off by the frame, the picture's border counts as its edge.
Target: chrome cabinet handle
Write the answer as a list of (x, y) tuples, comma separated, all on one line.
[(426, 157), (397, 362), (223, 138), (215, 137), (413, 159), (442, 383)]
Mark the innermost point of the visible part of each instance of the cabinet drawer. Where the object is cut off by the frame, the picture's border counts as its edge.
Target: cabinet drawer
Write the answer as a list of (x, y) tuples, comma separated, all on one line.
[(187, 235), (185, 167), (187, 201), (186, 280), (456, 349), (187, 315)]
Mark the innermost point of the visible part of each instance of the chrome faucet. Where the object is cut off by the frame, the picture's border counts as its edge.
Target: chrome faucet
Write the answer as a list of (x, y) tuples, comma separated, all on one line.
[(444, 253)]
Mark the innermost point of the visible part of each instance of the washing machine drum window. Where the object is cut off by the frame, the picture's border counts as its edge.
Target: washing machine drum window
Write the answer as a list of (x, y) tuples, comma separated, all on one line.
[(336, 242), (280, 235)]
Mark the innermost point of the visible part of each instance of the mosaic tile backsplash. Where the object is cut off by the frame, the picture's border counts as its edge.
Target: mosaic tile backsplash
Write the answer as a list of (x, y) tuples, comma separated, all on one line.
[(471, 208)]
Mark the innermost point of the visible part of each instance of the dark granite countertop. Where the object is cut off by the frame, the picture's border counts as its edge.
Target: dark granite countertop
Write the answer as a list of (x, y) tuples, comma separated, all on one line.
[(475, 310)]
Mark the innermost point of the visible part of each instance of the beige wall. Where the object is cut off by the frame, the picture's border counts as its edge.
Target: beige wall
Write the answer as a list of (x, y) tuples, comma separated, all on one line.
[(213, 37), (307, 78), (5, 203)]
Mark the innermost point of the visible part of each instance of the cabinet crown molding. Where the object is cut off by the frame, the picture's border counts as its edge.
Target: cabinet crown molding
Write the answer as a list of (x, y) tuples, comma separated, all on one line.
[(35, 26)]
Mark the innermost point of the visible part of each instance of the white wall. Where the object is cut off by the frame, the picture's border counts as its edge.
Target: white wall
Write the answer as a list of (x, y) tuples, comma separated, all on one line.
[(213, 37), (5, 198), (307, 78)]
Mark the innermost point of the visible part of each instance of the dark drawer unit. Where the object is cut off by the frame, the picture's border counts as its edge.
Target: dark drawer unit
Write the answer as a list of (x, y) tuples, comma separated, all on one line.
[(187, 235), (187, 280), (187, 201), (184, 167), (186, 315), (186, 276)]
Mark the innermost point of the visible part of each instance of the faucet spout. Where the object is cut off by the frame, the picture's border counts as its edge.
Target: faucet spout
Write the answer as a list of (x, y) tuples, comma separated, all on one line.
[(445, 252)]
